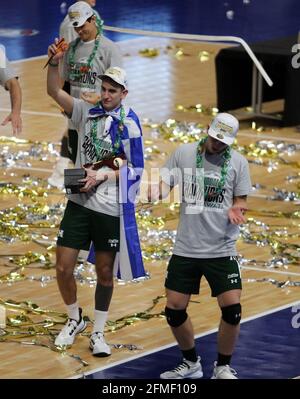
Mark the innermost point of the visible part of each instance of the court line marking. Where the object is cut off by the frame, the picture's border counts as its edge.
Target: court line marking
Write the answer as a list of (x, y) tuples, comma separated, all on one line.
[(37, 57), (31, 168), (262, 314), (39, 113), (269, 271), (266, 136)]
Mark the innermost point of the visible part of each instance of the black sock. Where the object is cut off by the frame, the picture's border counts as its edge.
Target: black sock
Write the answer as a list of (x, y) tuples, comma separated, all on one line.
[(103, 296), (223, 359), (190, 354)]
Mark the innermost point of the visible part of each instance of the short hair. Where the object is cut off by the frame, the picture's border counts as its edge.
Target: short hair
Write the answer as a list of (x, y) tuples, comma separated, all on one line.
[(113, 83)]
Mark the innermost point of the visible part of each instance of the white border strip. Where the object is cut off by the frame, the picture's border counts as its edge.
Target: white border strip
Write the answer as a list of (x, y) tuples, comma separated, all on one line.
[(39, 113), (31, 168), (267, 312), (205, 38), (269, 271), (38, 57), (266, 136)]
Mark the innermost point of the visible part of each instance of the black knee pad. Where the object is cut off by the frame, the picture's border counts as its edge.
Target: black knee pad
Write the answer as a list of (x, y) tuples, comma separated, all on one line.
[(175, 317), (232, 314)]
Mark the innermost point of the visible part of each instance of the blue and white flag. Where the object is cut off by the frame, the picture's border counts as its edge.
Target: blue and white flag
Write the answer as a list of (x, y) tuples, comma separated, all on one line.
[(128, 263)]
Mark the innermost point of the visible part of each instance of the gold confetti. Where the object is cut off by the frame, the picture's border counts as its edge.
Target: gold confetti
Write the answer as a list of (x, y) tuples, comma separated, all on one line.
[(149, 52), (204, 56)]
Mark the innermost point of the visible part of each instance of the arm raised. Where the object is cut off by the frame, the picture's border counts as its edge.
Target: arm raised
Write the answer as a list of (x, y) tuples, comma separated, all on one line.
[(54, 89)]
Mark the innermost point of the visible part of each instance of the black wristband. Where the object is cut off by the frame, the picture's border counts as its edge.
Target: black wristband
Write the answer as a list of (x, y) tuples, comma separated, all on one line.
[(53, 65)]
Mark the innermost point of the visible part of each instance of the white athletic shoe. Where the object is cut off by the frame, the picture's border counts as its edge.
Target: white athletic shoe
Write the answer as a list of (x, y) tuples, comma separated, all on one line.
[(223, 373), (98, 345), (57, 177), (186, 369), (68, 333)]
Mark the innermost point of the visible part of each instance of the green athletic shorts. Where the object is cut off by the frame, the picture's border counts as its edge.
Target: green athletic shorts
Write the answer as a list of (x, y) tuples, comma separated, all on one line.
[(184, 274), (80, 226)]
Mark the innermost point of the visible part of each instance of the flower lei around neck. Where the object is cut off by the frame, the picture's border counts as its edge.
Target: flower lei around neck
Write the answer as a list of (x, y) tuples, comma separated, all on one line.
[(75, 73), (224, 169), (97, 141)]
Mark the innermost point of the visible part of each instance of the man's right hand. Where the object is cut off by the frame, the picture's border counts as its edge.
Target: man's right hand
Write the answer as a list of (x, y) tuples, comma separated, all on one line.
[(16, 122), (90, 97), (236, 214), (57, 49)]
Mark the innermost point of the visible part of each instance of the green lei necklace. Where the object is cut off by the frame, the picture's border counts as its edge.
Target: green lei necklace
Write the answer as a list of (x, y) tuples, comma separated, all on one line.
[(75, 73), (97, 141), (224, 169)]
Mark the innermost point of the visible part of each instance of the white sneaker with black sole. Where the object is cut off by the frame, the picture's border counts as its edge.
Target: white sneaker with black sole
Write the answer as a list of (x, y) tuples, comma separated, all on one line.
[(186, 369), (98, 345), (223, 373), (67, 335)]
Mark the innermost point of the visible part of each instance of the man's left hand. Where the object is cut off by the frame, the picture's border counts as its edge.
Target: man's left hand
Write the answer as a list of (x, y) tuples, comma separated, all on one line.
[(93, 178)]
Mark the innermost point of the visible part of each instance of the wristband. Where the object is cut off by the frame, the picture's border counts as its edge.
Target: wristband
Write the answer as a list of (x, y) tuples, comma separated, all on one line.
[(53, 65)]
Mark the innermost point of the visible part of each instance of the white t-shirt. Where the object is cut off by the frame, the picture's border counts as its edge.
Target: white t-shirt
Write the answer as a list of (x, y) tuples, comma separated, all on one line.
[(207, 233), (105, 197), (6, 73), (107, 55)]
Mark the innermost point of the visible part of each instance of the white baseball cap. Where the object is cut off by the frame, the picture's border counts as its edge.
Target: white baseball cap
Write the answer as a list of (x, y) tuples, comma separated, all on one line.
[(117, 74), (224, 127), (79, 12)]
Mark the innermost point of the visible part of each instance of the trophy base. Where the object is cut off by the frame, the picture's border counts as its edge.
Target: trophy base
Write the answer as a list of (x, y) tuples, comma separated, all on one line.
[(71, 177)]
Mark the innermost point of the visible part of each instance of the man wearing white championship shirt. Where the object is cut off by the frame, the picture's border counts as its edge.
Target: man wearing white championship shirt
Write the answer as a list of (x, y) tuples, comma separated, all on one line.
[(214, 181), (89, 55), (109, 131)]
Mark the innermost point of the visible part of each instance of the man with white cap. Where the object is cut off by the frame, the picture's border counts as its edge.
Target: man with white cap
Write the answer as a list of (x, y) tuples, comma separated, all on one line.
[(214, 180), (88, 56), (94, 214), (67, 31)]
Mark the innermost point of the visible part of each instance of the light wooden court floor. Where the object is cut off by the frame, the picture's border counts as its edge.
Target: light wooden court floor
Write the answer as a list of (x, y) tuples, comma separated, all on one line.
[(157, 85)]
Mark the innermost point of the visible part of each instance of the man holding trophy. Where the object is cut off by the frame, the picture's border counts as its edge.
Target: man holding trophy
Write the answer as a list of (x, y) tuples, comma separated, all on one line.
[(100, 207)]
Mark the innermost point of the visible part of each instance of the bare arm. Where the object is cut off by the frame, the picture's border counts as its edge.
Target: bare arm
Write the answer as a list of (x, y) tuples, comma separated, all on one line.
[(236, 212), (95, 177), (16, 101), (54, 82), (158, 191)]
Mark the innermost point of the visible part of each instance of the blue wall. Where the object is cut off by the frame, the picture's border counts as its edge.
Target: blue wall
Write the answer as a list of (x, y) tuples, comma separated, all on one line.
[(254, 20)]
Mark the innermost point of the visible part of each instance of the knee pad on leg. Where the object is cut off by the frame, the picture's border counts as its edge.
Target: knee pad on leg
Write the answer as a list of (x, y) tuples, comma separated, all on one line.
[(175, 317), (232, 314)]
